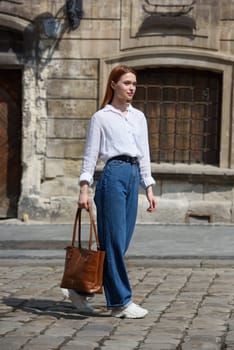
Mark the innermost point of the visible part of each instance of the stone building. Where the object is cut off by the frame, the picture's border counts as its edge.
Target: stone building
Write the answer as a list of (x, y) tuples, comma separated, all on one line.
[(52, 79)]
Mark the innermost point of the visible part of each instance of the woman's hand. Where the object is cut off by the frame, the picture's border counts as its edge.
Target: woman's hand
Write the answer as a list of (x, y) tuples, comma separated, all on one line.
[(151, 199), (83, 200)]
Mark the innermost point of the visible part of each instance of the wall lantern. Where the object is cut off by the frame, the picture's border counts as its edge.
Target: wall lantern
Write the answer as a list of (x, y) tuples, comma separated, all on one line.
[(52, 27), (47, 29), (73, 12)]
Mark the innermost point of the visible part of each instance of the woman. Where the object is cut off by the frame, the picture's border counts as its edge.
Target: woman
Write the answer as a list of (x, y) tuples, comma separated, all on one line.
[(118, 135)]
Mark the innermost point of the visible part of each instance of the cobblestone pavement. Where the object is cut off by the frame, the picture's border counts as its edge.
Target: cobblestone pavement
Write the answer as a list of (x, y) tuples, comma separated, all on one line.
[(189, 308)]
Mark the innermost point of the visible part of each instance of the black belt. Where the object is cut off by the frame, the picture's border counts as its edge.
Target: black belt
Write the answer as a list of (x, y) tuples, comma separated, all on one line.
[(124, 158)]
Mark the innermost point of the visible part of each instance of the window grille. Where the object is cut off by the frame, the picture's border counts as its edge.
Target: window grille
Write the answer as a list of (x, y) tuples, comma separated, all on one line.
[(183, 108)]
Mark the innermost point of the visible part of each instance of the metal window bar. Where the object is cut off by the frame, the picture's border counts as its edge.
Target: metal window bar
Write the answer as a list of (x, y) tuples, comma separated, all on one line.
[(199, 102)]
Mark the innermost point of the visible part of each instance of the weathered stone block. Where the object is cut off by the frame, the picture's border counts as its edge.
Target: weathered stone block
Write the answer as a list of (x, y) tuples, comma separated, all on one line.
[(95, 9), (53, 168), (71, 108), (81, 69), (54, 209), (30, 9), (227, 11), (65, 148), (217, 192), (67, 128), (97, 29), (98, 48), (72, 168), (41, 136), (60, 187), (181, 190), (72, 88), (168, 211), (63, 209), (219, 211)]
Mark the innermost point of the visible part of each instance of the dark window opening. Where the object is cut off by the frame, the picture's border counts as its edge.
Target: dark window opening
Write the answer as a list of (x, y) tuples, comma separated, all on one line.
[(183, 110)]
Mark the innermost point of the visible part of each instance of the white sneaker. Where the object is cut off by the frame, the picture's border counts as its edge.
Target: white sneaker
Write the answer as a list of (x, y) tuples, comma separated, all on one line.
[(79, 301), (131, 311), (65, 292)]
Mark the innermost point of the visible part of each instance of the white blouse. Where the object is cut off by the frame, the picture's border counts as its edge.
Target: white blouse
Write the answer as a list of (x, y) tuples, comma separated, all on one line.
[(110, 134)]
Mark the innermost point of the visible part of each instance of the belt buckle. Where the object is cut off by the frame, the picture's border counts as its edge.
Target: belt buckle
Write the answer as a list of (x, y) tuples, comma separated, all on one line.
[(133, 160), (128, 159)]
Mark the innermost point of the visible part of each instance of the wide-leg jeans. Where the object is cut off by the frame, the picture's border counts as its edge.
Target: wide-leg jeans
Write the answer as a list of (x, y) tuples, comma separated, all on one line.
[(116, 199)]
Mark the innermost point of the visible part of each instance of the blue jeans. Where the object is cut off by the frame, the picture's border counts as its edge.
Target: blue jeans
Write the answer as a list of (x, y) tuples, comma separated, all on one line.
[(116, 199)]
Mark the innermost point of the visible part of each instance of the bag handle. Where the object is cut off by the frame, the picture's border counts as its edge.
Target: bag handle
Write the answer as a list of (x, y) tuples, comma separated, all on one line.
[(92, 226)]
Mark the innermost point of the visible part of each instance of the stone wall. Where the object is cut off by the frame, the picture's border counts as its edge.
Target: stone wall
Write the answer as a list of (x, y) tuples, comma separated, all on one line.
[(63, 83)]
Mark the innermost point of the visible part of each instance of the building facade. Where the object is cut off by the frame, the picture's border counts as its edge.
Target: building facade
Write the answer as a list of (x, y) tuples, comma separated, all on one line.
[(52, 79)]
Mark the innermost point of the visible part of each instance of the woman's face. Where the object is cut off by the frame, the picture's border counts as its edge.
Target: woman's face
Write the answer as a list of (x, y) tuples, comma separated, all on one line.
[(125, 87)]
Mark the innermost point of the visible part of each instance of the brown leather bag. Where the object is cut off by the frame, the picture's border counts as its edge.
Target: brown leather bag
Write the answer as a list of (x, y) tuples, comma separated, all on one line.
[(83, 270)]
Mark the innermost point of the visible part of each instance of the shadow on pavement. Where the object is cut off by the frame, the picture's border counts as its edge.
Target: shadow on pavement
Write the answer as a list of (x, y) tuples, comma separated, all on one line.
[(47, 307)]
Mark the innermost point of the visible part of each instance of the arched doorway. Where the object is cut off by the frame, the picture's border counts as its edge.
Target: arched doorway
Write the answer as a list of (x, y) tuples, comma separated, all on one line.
[(10, 141), (10, 122), (183, 108)]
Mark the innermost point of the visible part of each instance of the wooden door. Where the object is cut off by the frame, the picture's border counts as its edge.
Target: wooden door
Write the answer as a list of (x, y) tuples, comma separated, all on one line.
[(10, 141), (183, 108)]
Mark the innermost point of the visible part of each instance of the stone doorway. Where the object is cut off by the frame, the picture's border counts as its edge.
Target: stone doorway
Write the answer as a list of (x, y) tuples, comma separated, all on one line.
[(10, 141)]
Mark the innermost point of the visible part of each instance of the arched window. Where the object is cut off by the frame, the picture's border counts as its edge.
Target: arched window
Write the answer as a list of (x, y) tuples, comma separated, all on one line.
[(183, 109)]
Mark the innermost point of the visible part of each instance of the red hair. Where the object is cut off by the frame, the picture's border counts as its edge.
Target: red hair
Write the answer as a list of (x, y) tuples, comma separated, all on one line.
[(115, 75)]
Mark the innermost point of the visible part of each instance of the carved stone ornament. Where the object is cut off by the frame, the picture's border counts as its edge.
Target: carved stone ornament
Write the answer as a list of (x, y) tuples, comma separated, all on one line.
[(167, 19)]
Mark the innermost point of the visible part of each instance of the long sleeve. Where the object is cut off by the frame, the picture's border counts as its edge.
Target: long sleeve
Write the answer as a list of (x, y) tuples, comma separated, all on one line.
[(91, 153), (145, 166)]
